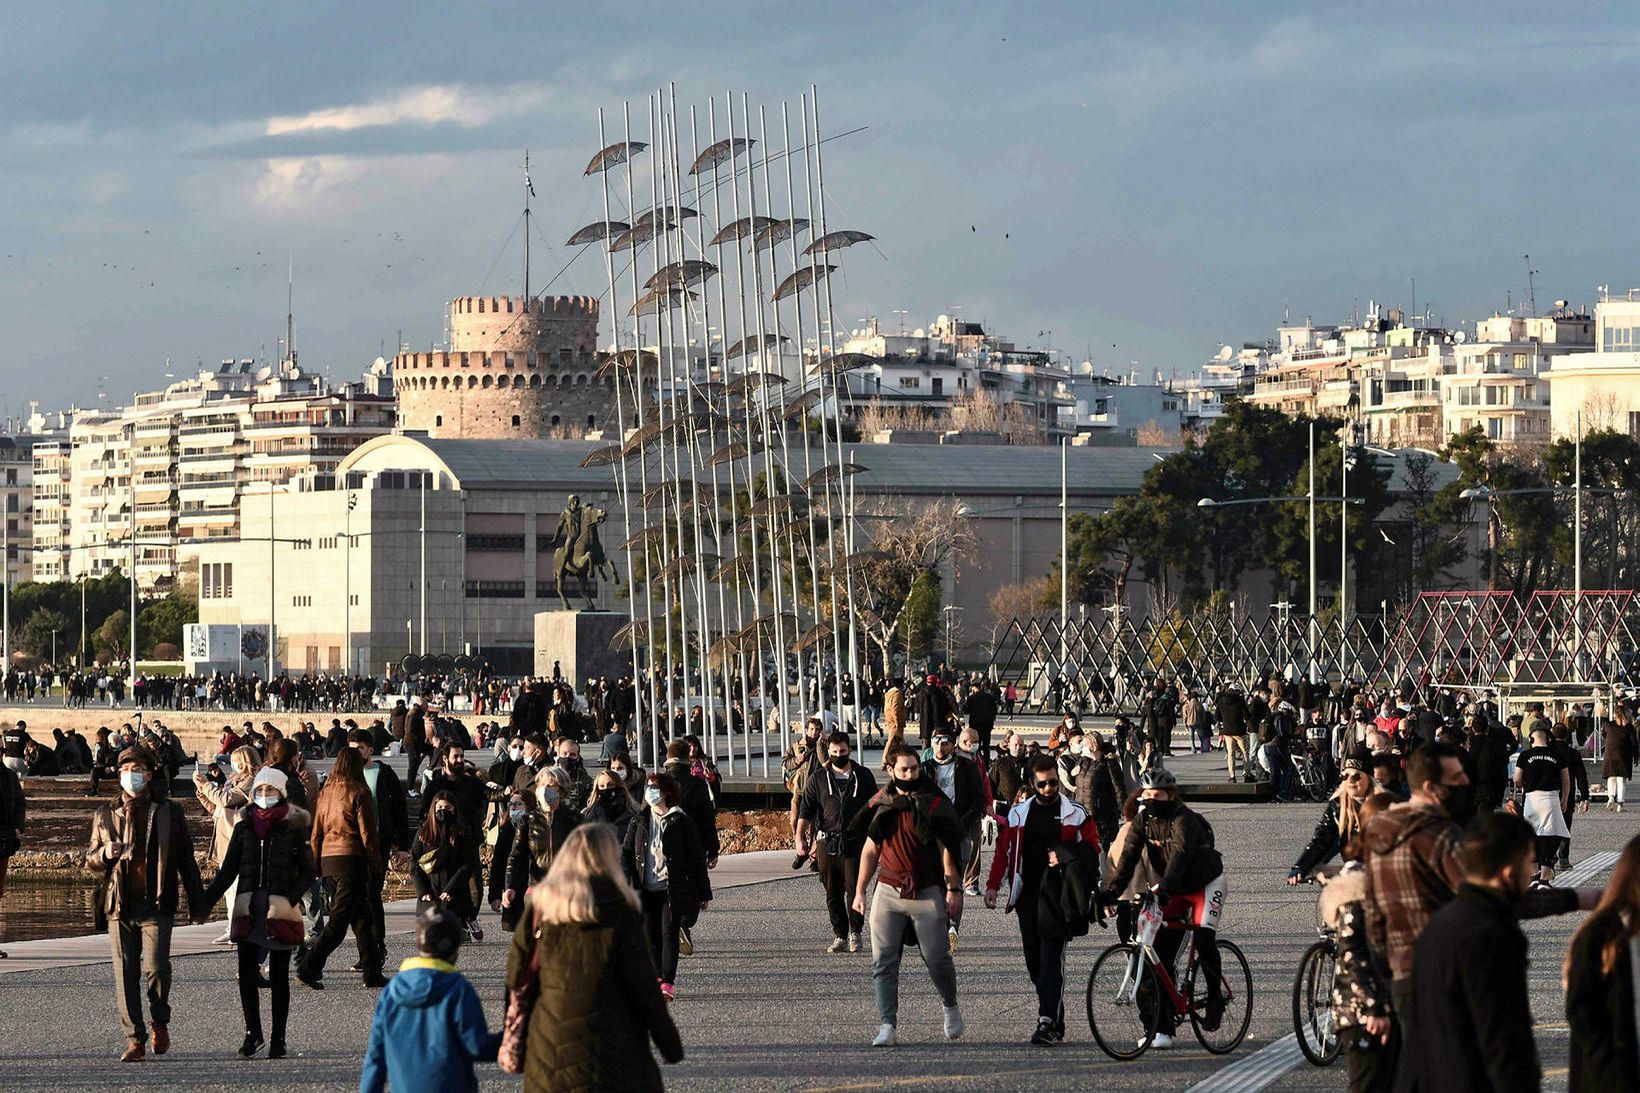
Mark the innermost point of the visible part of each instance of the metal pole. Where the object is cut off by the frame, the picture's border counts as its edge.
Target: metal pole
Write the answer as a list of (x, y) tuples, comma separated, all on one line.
[(1308, 667), (131, 671), (1064, 548), (5, 595), (1577, 546), (272, 601), (347, 584), (423, 648)]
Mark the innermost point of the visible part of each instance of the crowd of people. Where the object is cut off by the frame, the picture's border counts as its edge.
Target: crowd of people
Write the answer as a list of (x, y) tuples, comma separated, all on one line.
[(1448, 822)]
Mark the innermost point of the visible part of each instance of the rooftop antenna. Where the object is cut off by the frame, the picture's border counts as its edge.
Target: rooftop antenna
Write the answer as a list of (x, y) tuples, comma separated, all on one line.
[(1531, 287), (1412, 309), (529, 192), (290, 309)]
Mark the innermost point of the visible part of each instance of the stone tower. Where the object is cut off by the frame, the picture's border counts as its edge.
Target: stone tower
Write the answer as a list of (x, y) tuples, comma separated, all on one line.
[(516, 368)]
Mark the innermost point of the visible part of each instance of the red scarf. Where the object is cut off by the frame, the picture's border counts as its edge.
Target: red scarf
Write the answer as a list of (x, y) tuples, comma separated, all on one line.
[(263, 820)]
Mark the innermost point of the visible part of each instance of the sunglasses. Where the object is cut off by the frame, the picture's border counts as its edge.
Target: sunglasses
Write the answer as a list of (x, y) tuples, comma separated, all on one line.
[(1051, 783)]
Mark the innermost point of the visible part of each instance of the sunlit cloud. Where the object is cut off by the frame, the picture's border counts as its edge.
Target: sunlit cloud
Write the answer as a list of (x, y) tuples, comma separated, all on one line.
[(437, 104)]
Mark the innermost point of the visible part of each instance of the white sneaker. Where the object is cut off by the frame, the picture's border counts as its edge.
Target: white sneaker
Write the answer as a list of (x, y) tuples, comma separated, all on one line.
[(837, 946), (885, 1037), (1163, 1042), (953, 1023), (224, 938), (854, 942)]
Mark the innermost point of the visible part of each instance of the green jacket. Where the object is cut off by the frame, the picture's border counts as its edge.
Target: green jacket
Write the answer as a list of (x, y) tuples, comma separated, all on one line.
[(599, 1004)]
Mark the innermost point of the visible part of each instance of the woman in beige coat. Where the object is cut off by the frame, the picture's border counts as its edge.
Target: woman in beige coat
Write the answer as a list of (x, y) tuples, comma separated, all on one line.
[(226, 802)]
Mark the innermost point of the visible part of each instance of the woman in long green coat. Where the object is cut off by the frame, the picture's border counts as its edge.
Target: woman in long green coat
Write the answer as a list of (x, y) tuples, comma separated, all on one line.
[(599, 1003)]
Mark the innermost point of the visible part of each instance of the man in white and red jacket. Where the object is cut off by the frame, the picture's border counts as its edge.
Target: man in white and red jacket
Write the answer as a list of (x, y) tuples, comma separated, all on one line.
[(1027, 847)]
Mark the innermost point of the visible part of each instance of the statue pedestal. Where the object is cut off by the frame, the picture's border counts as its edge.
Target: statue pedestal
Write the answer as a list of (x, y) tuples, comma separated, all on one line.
[(579, 642)]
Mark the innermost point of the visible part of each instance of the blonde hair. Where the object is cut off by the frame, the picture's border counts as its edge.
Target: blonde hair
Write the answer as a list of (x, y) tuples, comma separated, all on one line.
[(548, 774), (568, 893), (253, 762)]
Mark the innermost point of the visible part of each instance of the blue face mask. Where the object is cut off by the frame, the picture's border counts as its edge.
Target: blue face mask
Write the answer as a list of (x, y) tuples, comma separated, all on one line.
[(133, 781), (653, 797)]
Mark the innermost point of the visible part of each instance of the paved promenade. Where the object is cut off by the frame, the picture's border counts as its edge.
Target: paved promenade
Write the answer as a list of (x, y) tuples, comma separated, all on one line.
[(760, 1005)]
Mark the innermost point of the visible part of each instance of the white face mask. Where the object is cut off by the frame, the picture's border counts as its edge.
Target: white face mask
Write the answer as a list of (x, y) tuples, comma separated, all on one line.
[(133, 781), (515, 754), (267, 800)]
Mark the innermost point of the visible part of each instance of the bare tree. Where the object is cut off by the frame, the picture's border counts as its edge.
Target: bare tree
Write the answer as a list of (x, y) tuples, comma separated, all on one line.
[(977, 412), (1152, 434), (911, 539)]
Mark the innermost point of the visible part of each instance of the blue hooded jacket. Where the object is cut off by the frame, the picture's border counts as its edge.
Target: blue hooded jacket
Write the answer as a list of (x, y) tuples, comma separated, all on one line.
[(428, 1032)]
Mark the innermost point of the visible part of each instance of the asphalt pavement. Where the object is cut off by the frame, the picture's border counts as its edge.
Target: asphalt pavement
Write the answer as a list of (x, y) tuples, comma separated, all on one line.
[(761, 1006)]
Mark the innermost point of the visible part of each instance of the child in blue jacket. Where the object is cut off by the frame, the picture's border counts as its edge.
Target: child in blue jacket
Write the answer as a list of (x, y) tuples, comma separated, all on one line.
[(429, 1027)]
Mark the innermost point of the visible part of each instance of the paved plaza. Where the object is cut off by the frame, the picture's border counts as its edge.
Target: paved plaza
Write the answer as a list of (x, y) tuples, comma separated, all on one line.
[(762, 1007)]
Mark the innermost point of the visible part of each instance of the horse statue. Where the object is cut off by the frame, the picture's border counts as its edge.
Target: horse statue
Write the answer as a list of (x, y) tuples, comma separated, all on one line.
[(583, 556)]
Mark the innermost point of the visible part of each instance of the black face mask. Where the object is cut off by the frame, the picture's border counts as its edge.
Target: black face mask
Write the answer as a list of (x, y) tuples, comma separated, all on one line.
[(1162, 808), (1460, 803), (571, 765), (610, 796), (905, 786), (840, 762)]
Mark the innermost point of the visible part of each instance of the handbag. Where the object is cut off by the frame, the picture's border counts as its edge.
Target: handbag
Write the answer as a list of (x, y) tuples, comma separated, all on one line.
[(515, 1026)]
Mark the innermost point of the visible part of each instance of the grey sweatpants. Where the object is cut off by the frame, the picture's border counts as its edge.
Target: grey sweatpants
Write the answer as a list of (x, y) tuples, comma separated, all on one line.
[(889, 915)]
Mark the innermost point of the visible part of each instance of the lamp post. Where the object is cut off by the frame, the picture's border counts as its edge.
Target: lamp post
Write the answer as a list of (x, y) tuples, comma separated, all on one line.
[(948, 609)]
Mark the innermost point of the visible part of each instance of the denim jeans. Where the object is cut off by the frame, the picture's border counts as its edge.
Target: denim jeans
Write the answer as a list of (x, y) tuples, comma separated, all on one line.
[(889, 915)]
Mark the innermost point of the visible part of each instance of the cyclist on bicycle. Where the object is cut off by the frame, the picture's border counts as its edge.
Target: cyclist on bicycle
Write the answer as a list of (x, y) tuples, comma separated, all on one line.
[(1178, 846), (1340, 821)]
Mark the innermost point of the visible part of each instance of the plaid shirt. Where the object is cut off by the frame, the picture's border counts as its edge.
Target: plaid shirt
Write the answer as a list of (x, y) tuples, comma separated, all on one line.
[(1412, 871)]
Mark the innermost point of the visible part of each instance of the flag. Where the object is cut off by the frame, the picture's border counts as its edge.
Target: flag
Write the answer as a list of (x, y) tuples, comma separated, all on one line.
[(528, 185)]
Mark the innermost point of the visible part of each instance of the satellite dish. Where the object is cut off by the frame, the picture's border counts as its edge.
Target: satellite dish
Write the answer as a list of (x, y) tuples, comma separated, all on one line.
[(1460, 337)]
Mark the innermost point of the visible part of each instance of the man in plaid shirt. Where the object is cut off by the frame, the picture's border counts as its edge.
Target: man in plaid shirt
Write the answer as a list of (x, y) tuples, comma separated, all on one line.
[(1413, 868)]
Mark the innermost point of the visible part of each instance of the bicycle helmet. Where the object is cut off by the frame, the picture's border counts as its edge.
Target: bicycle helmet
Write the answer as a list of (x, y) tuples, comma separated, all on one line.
[(1158, 778)]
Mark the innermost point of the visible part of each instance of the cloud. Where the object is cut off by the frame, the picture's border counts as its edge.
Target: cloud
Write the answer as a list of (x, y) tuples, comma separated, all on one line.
[(435, 104), (331, 187)]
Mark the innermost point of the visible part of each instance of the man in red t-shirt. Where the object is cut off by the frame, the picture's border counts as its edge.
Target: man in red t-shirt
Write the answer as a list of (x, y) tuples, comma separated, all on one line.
[(913, 834)]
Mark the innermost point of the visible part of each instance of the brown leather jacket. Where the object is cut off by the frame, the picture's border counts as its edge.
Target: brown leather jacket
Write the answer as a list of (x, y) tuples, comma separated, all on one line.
[(344, 824), (174, 861)]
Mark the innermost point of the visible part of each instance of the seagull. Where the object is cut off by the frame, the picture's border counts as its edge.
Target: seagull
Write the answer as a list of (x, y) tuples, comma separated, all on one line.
[(1385, 536)]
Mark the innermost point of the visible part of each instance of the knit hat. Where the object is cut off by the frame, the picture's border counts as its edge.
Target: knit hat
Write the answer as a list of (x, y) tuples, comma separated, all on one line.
[(270, 776)]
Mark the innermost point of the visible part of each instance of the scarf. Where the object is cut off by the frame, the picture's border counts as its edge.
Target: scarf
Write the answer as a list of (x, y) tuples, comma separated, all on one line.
[(264, 820)]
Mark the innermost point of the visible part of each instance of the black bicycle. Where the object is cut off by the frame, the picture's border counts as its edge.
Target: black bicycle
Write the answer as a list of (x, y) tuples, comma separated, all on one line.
[(1312, 1001)]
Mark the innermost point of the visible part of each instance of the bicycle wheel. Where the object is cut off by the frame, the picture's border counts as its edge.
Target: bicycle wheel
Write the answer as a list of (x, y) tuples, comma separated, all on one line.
[(1123, 1014), (1236, 985), (1312, 1005)]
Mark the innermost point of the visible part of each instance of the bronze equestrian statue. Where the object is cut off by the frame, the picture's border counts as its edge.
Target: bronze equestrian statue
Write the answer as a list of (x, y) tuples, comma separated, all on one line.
[(579, 552)]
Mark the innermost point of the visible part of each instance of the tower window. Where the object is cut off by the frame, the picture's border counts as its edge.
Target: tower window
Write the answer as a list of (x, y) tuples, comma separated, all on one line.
[(515, 421), (438, 419)]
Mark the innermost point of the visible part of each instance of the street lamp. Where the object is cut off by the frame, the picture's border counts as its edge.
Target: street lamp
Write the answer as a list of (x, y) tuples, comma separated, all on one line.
[(948, 609)]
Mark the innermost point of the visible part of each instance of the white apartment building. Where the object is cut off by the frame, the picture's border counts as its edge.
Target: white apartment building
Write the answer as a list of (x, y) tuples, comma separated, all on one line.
[(148, 480), (1601, 388), (17, 504)]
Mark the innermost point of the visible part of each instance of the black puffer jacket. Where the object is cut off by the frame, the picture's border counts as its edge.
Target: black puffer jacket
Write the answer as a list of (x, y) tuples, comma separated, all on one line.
[(599, 1005), (1324, 842), (1179, 849)]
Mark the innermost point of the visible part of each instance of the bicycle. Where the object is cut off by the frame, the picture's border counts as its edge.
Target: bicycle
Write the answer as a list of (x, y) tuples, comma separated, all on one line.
[(1312, 1001), (1129, 984)]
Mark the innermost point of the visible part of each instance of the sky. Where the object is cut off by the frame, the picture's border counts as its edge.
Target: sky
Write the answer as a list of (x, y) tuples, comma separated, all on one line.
[(1141, 183)]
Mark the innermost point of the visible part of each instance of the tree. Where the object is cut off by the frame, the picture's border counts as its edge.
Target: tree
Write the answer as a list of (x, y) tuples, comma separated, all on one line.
[(34, 637), (1433, 513), (1020, 601), (921, 618), (113, 637), (161, 622), (917, 539)]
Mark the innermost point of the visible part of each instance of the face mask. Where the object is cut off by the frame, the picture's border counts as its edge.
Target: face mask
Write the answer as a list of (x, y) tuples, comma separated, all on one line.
[(840, 762), (133, 781), (444, 815), (609, 795), (267, 800), (515, 754), (614, 773), (516, 815), (653, 797), (1460, 803), (571, 765), (548, 795), (905, 785), (1019, 750), (1162, 808)]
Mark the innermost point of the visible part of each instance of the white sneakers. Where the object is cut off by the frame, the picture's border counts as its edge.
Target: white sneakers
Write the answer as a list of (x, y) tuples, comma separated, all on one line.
[(1162, 1042), (837, 946), (887, 1037)]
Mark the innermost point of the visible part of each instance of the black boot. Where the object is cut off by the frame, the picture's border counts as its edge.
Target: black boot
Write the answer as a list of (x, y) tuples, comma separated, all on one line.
[(252, 1044), (276, 1048)]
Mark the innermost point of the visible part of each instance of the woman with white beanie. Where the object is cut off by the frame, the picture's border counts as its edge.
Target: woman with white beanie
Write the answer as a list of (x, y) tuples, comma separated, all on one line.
[(269, 857)]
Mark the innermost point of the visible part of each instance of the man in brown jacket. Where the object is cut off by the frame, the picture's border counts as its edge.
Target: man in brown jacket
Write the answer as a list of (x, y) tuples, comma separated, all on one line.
[(142, 853)]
